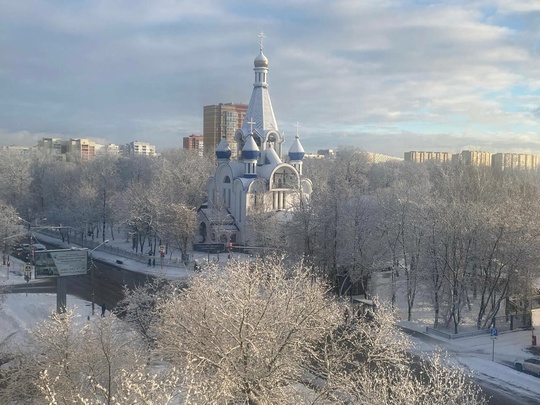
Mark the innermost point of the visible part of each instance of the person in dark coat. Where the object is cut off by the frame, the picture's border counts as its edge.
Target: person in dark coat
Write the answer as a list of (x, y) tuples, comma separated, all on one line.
[(153, 262), (149, 262), (103, 309)]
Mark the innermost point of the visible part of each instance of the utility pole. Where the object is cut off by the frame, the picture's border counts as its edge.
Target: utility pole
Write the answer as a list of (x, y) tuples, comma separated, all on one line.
[(92, 266)]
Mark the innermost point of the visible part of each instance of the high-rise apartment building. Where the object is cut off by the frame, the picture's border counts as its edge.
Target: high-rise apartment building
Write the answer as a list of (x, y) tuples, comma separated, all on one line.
[(83, 149), (111, 149), (421, 156), (195, 143), (514, 161), (473, 157), (499, 161), (17, 150), (139, 148), (54, 146), (222, 120)]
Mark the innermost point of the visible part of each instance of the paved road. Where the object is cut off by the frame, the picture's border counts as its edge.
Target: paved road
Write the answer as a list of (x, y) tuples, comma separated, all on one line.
[(108, 284), (498, 395)]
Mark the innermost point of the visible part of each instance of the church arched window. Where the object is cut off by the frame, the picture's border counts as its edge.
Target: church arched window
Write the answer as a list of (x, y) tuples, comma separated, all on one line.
[(227, 191), (285, 177)]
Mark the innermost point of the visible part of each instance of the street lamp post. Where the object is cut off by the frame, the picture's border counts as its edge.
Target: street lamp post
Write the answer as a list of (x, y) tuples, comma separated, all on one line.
[(92, 265)]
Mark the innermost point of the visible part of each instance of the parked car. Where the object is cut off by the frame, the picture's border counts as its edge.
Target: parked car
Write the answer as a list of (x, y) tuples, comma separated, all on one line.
[(531, 365)]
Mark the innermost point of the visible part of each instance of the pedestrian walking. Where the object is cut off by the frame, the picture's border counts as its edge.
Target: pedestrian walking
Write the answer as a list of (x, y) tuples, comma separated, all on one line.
[(150, 262), (154, 262), (8, 263), (103, 309)]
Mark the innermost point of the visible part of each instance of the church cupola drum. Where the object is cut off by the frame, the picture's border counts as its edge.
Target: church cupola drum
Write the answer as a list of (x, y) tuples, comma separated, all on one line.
[(223, 153), (257, 181)]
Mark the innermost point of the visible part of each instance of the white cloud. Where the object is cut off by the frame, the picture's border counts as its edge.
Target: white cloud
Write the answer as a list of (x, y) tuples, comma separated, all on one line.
[(131, 67)]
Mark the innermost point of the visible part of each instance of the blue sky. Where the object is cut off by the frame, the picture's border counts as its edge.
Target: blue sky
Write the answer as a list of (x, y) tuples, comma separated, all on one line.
[(382, 75)]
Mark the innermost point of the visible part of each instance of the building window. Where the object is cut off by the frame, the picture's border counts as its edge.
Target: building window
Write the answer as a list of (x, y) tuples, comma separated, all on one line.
[(284, 178)]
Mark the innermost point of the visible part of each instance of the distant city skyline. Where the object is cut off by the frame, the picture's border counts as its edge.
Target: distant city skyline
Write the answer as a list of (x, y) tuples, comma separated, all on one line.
[(386, 77)]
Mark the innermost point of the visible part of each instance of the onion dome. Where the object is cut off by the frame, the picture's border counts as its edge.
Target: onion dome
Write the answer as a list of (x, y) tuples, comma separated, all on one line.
[(261, 60), (250, 151), (296, 152), (222, 151)]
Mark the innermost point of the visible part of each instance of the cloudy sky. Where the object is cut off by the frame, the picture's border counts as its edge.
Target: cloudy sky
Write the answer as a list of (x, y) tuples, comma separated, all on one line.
[(385, 76)]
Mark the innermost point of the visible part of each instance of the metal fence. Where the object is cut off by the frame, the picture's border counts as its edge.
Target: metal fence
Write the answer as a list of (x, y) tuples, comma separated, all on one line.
[(513, 322), (114, 250), (501, 323), (448, 335)]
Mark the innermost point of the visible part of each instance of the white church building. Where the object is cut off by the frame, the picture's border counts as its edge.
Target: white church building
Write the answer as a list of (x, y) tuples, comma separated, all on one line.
[(259, 180)]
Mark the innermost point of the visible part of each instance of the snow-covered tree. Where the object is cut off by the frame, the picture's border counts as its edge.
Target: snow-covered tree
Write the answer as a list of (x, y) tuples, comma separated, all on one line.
[(368, 361), (15, 180), (70, 361), (177, 225), (184, 174), (139, 305), (266, 332), (8, 221), (243, 334)]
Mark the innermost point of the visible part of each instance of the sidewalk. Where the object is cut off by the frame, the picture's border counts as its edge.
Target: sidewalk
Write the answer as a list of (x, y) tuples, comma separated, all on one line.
[(118, 253), (475, 354)]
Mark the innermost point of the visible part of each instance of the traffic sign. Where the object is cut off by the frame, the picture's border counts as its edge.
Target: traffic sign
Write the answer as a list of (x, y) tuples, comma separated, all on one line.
[(494, 333), (28, 268)]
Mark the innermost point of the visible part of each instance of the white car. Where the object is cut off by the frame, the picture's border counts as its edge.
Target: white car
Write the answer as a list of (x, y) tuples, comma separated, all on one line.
[(531, 365)]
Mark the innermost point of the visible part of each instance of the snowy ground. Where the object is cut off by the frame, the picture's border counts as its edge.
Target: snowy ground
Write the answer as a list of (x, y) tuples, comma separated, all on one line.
[(20, 312), (475, 354)]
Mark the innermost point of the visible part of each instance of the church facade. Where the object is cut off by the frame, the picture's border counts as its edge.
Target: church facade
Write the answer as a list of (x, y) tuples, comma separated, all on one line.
[(258, 181)]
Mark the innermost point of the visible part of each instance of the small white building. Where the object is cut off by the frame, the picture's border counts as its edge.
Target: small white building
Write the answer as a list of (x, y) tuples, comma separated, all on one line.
[(258, 181)]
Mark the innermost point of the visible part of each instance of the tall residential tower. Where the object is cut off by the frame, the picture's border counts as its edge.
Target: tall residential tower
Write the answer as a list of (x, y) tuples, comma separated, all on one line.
[(221, 120)]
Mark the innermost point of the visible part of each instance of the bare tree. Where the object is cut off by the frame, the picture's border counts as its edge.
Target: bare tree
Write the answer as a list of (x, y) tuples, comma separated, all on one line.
[(102, 175), (139, 213), (359, 239), (177, 225)]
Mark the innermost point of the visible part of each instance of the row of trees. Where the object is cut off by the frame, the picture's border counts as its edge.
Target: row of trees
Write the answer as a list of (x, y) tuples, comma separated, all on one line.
[(147, 197), (260, 332), (466, 238)]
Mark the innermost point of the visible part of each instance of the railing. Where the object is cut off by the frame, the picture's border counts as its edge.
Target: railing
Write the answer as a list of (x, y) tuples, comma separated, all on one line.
[(114, 250), (502, 323), (448, 335)]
